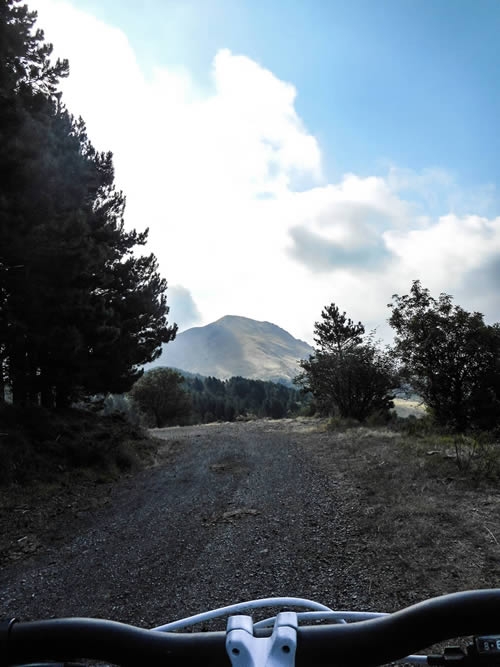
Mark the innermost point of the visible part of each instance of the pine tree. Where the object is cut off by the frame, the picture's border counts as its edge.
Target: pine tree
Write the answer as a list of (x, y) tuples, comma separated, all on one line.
[(27, 80), (348, 375), (79, 311)]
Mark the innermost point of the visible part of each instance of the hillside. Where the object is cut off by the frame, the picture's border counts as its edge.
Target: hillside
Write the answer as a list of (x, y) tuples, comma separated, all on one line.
[(237, 346)]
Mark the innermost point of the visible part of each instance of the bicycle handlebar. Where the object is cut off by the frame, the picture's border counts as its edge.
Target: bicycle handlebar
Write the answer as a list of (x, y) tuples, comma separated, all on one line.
[(368, 643)]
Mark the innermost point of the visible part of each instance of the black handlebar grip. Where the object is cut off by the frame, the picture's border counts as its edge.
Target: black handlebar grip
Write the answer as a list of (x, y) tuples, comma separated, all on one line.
[(5, 630)]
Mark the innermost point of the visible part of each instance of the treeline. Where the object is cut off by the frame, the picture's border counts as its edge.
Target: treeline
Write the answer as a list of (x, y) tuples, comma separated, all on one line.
[(213, 399), (166, 397), (80, 310)]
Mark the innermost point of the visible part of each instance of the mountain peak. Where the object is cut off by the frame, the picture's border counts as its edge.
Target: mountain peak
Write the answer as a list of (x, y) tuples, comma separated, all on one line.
[(235, 345), (248, 324)]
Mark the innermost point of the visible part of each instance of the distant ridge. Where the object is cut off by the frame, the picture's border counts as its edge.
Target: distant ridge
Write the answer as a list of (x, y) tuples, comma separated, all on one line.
[(235, 345)]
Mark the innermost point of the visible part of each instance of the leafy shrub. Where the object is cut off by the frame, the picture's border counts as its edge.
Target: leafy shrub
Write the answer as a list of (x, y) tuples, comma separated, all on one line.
[(450, 357), (44, 449), (160, 396)]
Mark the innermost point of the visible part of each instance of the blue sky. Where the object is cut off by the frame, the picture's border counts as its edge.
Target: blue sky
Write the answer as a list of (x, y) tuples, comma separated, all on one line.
[(355, 146), (411, 82)]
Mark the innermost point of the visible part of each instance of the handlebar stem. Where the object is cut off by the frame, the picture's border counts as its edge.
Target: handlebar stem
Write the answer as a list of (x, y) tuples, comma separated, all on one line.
[(278, 650)]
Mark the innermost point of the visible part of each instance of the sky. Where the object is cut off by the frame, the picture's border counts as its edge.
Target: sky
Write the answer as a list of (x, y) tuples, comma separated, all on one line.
[(288, 154)]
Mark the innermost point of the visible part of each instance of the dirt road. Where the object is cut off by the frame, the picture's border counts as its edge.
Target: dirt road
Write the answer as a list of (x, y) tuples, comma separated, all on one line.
[(233, 512), (238, 511)]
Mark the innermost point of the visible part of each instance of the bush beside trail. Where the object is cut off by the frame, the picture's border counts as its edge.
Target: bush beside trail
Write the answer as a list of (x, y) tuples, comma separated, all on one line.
[(42, 446)]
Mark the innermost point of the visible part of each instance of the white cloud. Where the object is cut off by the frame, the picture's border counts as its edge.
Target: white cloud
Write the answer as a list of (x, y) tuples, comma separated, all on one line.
[(230, 183), (342, 225), (183, 309), (448, 249)]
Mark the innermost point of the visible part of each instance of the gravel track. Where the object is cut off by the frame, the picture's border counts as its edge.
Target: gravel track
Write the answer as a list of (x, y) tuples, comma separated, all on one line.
[(231, 512)]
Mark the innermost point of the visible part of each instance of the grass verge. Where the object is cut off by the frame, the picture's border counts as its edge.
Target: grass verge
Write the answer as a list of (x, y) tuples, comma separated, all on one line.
[(425, 510)]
